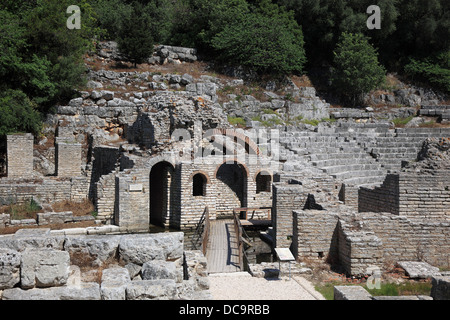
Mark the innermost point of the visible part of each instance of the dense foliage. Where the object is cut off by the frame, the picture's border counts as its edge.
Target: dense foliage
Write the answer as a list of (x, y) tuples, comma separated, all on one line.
[(41, 60), (357, 70)]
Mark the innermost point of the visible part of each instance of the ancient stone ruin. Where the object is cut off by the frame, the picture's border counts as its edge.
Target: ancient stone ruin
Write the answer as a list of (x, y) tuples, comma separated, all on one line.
[(156, 152)]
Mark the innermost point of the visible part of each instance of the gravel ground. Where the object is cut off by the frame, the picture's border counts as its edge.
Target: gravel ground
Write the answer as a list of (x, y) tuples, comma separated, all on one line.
[(242, 286)]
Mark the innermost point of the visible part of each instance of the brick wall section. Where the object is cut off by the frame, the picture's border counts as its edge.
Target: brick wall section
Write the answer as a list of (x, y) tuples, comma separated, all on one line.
[(380, 199), (20, 155), (425, 196), (406, 239), (409, 194), (68, 158), (286, 199), (132, 205), (315, 234), (358, 249), (46, 190)]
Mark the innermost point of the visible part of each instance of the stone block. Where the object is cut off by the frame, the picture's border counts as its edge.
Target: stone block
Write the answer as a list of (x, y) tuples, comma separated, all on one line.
[(351, 293), (95, 250), (164, 289), (9, 268), (114, 283), (44, 268), (158, 269)]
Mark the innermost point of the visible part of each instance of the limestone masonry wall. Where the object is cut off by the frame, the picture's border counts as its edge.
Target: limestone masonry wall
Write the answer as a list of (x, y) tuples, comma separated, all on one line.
[(421, 196), (20, 155)]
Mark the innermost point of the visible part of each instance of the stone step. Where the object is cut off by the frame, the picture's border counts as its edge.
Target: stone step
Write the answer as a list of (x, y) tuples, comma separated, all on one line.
[(358, 174), (350, 168)]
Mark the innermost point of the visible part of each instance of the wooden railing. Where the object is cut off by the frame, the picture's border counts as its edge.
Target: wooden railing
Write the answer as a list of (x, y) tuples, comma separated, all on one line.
[(246, 210), (242, 238), (202, 232)]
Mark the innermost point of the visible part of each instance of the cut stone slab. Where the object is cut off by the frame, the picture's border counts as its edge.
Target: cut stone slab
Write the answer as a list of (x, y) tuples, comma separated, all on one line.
[(164, 289), (86, 291), (351, 293), (44, 268), (158, 269), (114, 283), (420, 270)]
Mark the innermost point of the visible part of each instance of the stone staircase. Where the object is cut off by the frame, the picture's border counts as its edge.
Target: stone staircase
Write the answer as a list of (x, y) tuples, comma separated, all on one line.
[(339, 156)]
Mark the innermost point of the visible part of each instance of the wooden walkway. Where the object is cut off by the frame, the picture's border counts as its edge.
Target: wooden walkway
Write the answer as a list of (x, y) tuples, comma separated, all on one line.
[(222, 251)]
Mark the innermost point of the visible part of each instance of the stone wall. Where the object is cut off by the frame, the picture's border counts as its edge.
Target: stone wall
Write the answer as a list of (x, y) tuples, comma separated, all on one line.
[(68, 158), (359, 249), (315, 234), (357, 241), (420, 196), (406, 239), (286, 198), (46, 190), (132, 205), (39, 264), (380, 199), (20, 155)]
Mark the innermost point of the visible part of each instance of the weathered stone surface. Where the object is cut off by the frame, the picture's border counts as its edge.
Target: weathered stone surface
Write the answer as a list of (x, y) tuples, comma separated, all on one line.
[(9, 268), (44, 268), (114, 283), (351, 293), (165, 289), (86, 291), (158, 269), (141, 248), (97, 249), (416, 269)]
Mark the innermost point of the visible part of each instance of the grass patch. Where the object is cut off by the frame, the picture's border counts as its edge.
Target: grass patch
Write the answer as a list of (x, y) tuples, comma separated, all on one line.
[(237, 121), (77, 208), (400, 122)]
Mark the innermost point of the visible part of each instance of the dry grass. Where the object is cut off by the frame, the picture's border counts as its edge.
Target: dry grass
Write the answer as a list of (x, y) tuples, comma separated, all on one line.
[(78, 208)]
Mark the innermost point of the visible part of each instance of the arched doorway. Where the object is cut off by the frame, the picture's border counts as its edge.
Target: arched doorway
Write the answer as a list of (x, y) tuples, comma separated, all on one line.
[(161, 177), (232, 190)]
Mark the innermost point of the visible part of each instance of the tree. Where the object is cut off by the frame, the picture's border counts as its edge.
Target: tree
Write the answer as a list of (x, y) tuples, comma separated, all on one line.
[(266, 44), (356, 67), (135, 40), (18, 114)]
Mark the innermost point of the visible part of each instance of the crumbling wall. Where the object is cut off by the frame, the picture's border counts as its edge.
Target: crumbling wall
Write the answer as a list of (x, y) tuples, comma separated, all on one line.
[(68, 158), (415, 195)]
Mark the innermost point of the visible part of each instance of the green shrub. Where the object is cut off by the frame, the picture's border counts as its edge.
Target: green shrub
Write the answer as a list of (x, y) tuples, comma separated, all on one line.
[(357, 70), (435, 73), (267, 45), (236, 121)]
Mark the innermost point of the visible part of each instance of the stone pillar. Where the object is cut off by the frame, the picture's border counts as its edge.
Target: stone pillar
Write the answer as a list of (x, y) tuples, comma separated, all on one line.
[(132, 205), (286, 198), (68, 158), (20, 155)]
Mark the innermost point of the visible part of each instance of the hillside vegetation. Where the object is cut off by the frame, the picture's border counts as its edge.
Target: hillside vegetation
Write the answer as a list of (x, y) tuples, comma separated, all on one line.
[(41, 60)]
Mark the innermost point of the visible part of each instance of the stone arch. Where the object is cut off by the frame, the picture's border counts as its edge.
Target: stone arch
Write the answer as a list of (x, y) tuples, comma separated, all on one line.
[(263, 181), (161, 190), (232, 178), (208, 180), (199, 182), (236, 161)]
